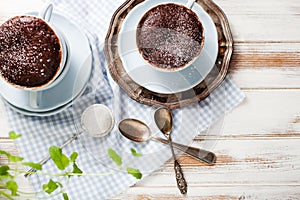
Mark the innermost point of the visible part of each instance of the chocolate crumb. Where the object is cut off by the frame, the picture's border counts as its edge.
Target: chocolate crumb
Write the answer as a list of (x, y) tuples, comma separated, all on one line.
[(30, 52), (169, 36)]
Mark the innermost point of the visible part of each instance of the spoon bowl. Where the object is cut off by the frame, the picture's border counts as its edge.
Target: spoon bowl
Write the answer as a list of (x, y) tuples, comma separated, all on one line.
[(135, 130), (138, 131), (164, 121)]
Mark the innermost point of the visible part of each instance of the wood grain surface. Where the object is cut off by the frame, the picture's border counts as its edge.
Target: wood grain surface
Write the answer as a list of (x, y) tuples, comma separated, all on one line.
[(258, 149)]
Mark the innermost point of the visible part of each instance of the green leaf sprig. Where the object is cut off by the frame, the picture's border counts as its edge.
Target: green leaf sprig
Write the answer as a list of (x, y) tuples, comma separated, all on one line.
[(135, 153), (118, 161), (9, 186), (65, 164)]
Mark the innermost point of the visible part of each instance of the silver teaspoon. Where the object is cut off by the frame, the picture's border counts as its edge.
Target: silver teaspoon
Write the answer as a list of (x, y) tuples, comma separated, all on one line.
[(164, 121), (138, 131)]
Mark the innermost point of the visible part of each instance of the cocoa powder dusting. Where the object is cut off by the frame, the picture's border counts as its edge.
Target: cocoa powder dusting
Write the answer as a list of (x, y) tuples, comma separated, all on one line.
[(30, 52), (169, 36)]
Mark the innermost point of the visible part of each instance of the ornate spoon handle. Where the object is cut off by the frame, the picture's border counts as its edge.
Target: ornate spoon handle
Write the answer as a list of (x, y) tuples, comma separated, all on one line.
[(181, 182), (200, 154)]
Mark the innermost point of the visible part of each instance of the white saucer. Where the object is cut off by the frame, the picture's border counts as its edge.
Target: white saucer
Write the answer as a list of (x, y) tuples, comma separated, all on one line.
[(156, 80), (70, 87), (44, 113)]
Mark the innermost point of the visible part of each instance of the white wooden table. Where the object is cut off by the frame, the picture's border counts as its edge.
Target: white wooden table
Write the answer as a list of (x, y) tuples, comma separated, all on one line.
[(259, 148)]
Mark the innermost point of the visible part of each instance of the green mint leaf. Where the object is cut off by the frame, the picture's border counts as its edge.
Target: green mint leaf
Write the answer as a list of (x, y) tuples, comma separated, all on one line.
[(59, 184), (7, 176), (4, 170), (4, 153), (6, 195), (60, 160), (73, 156), (36, 166), (134, 153), (50, 187), (15, 158), (115, 157), (76, 170), (10, 157), (134, 172), (13, 135), (65, 195), (13, 187)]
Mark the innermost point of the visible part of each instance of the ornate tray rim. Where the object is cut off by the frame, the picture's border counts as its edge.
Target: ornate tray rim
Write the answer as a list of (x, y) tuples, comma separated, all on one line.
[(184, 98)]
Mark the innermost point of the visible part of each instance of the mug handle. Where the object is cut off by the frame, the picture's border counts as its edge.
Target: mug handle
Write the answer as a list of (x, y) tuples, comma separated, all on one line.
[(190, 3), (46, 12), (35, 98)]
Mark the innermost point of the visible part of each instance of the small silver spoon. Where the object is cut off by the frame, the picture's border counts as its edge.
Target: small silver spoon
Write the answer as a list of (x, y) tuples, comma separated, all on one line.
[(96, 120), (138, 131), (164, 121)]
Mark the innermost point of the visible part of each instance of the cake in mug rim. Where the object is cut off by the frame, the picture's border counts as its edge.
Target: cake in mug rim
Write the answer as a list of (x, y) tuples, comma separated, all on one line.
[(170, 36), (30, 52)]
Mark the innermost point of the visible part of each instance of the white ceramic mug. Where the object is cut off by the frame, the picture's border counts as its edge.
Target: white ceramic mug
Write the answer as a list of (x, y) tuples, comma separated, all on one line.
[(35, 92)]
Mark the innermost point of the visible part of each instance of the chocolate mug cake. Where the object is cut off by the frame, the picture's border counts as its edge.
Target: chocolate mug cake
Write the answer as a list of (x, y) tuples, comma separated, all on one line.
[(169, 36), (30, 52)]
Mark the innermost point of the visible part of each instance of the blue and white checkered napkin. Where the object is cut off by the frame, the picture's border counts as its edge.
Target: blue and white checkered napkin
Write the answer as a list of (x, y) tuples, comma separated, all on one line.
[(39, 133)]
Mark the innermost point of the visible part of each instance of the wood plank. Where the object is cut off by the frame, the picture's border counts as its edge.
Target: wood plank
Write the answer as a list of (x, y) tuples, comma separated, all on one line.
[(265, 55), (266, 21), (265, 28), (260, 7), (271, 65), (266, 78), (263, 112), (213, 193), (266, 65)]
